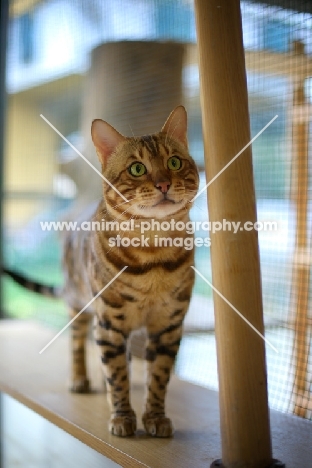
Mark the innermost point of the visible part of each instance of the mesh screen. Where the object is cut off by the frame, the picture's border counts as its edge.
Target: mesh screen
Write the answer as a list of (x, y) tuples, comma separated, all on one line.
[(52, 71)]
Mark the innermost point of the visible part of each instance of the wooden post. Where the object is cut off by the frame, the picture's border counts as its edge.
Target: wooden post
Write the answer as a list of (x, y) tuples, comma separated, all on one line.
[(301, 117), (245, 428)]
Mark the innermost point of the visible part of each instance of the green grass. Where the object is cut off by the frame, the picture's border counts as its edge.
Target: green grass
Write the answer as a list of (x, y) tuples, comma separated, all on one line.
[(40, 263), (22, 304)]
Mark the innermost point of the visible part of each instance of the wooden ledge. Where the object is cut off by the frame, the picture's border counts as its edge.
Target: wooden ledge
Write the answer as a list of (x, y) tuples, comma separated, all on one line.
[(39, 382)]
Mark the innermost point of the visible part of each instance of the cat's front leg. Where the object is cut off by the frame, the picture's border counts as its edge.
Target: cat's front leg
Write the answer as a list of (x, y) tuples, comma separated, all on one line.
[(161, 351), (112, 343)]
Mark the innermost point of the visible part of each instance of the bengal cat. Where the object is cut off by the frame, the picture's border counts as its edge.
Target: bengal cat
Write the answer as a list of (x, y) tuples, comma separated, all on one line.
[(159, 178)]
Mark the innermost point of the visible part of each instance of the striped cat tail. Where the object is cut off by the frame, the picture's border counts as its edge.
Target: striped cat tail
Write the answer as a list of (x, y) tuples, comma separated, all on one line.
[(31, 285)]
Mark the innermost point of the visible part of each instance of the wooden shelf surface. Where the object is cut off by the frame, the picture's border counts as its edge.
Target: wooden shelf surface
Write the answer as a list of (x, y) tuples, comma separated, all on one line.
[(39, 382)]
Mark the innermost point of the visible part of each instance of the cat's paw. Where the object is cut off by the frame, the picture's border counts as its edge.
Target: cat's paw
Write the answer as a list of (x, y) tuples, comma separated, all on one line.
[(123, 426), (158, 426), (80, 385)]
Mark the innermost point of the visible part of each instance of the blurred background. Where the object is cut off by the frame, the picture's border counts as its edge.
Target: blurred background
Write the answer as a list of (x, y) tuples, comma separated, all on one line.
[(130, 62)]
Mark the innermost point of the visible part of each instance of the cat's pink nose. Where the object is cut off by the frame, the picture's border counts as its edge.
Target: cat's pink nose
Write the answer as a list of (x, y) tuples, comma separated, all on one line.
[(163, 186)]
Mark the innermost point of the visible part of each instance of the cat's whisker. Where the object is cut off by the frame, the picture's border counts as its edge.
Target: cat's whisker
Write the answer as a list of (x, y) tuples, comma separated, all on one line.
[(199, 207), (135, 146), (103, 212), (131, 131), (116, 218), (123, 203), (125, 211), (97, 216)]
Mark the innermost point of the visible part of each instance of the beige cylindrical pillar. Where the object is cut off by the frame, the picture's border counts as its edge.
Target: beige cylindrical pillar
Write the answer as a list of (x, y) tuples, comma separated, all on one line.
[(301, 117), (133, 85), (245, 428)]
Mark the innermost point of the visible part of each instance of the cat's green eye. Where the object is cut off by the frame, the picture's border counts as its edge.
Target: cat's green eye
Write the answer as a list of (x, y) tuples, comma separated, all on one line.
[(174, 163), (137, 169)]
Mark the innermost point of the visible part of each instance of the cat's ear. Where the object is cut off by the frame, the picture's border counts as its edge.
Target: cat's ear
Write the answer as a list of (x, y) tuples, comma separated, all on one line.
[(176, 125), (105, 139)]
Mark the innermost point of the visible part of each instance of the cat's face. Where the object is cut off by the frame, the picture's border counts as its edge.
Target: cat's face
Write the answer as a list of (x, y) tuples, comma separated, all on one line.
[(154, 173)]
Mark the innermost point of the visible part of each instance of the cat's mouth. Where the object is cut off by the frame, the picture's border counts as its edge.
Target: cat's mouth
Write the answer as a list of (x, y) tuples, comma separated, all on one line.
[(164, 201), (162, 208)]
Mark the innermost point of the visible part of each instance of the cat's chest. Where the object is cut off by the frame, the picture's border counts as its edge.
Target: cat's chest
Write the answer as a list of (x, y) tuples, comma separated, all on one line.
[(155, 302), (142, 294)]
